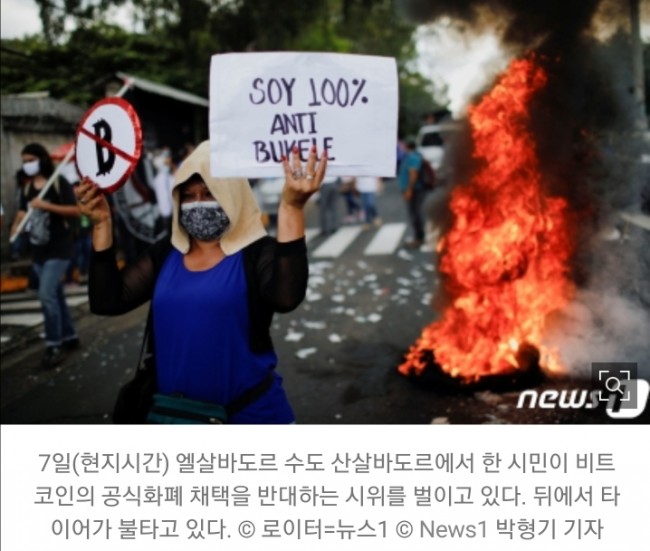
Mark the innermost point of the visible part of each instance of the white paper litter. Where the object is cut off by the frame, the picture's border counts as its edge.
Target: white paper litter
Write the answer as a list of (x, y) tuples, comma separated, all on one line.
[(293, 336), (374, 318), (319, 267), (404, 255), (338, 298), (335, 338), (305, 352), (314, 324)]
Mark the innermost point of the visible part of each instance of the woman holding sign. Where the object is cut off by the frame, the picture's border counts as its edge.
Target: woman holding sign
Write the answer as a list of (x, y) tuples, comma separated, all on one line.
[(214, 289)]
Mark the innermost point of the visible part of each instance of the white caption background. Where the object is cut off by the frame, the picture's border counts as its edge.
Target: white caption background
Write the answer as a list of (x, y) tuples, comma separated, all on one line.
[(27, 525)]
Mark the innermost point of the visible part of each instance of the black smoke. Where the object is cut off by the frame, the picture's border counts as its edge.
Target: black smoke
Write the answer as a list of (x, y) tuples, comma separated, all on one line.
[(523, 21), (586, 126)]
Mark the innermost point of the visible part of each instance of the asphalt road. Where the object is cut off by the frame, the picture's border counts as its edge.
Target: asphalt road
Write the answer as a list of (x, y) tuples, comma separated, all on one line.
[(338, 352)]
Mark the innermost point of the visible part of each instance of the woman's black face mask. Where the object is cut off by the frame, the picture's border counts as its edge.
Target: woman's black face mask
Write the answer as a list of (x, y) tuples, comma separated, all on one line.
[(204, 220)]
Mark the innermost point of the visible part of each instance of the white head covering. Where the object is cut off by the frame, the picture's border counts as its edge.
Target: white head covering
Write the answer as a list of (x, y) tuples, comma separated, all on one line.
[(233, 194)]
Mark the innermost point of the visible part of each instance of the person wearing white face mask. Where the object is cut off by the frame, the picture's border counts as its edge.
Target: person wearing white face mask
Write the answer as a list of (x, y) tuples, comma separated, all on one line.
[(214, 288), (52, 247)]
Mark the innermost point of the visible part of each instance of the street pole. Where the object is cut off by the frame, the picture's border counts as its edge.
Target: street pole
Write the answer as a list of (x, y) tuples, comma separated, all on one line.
[(127, 84), (637, 66)]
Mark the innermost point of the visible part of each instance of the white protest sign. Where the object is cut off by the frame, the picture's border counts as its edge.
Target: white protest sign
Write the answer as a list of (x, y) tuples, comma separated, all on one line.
[(264, 104), (108, 143)]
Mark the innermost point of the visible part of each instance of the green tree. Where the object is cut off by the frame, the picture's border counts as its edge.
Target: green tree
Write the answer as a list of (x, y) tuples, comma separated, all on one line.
[(180, 36)]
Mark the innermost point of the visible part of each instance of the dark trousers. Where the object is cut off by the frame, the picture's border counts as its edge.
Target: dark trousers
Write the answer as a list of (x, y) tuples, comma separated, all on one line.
[(328, 203), (415, 213)]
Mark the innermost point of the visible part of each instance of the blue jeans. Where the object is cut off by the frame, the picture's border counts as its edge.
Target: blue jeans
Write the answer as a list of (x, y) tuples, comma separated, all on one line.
[(351, 203), (369, 202), (81, 258), (59, 326)]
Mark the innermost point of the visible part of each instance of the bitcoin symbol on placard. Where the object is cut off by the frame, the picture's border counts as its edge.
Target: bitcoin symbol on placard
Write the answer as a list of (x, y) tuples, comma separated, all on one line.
[(103, 131)]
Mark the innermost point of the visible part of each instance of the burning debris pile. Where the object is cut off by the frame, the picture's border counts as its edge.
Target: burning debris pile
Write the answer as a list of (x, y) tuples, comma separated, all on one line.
[(520, 242), (506, 257)]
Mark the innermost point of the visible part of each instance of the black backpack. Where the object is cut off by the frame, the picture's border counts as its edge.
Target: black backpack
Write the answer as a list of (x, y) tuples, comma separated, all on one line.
[(427, 175)]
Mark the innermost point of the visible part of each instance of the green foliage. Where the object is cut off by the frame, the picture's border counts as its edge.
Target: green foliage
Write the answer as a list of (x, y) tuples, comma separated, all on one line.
[(179, 36), (646, 70)]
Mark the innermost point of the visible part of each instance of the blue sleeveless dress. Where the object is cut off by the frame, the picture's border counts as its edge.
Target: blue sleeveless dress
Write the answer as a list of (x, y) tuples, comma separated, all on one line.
[(201, 331)]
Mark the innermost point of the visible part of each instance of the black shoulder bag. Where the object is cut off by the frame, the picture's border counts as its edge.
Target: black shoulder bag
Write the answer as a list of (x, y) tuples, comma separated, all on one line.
[(138, 402), (135, 398)]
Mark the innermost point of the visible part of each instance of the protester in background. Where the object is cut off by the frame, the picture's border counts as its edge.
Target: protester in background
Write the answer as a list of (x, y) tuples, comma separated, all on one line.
[(413, 192), (401, 152), (138, 220), (52, 247), (20, 246), (350, 194), (77, 271), (183, 153), (369, 187), (328, 205), (162, 185), (214, 286)]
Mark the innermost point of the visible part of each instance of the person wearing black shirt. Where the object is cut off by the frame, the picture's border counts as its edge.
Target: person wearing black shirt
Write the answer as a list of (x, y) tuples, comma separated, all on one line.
[(51, 245)]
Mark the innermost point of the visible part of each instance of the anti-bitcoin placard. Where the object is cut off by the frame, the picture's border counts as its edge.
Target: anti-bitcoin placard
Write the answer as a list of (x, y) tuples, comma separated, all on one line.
[(108, 143)]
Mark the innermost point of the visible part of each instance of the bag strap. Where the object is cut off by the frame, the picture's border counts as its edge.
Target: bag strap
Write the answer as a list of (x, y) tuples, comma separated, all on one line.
[(250, 395), (239, 403), (144, 345)]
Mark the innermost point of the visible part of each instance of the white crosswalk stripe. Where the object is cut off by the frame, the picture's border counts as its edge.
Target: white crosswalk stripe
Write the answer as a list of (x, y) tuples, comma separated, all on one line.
[(26, 320), (310, 233), (386, 240), (21, 305), (338, 242), (27, 313)]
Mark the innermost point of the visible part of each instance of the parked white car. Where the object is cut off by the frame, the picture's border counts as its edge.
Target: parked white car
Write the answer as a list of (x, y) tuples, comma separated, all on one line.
[(432, 141), (268, 192)]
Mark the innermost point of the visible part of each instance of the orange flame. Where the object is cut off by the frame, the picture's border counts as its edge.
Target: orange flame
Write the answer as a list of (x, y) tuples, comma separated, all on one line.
[(505, 259)]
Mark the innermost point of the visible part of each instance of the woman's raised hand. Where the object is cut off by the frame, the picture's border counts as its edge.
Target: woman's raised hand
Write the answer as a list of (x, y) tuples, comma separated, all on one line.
[(301, 184), (92, 202)]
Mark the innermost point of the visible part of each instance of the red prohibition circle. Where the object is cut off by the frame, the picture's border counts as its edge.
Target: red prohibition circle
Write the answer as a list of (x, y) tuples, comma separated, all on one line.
[(132, 158)]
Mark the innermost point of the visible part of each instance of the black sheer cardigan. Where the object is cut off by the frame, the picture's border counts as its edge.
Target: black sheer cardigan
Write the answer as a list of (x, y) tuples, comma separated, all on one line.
[(276, 276)]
